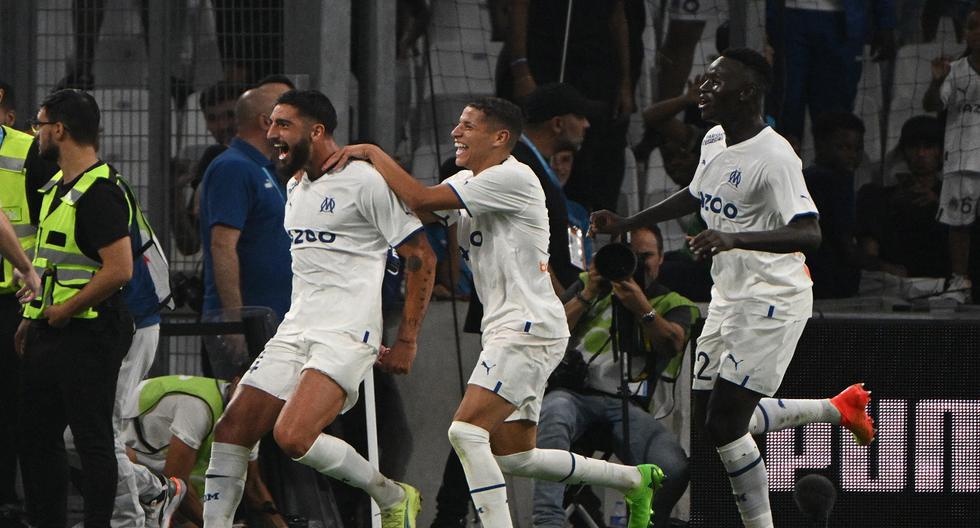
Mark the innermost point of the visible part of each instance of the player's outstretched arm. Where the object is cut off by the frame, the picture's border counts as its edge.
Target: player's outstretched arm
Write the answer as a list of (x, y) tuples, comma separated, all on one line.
[(801, 234), (420, 264), (416, 196), (676, 205)]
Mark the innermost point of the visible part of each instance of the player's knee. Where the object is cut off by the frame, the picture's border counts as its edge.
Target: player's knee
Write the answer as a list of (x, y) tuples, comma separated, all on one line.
[(518, 464), (464, 437), (293, 441)]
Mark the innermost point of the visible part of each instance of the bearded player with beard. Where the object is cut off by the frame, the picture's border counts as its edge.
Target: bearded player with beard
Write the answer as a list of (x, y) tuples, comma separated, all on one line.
[(341, 226)]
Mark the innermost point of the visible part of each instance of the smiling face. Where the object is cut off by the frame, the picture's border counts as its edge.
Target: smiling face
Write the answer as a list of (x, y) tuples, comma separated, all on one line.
[(719, 95), (476, 139), (289, 135)]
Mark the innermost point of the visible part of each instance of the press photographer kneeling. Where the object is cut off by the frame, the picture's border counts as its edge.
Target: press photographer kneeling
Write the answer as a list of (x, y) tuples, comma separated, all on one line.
[(587, 399)]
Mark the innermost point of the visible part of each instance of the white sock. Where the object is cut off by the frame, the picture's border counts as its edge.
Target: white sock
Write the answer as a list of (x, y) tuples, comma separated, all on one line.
[(750, 483), (486, 481), (773, 414), (335, 458), (224, 483), (569, 468)]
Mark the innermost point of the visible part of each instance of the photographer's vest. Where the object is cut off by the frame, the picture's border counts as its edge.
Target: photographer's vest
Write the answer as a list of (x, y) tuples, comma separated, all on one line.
[(13, 197), (63, 267), (207, 390), (593, 330)]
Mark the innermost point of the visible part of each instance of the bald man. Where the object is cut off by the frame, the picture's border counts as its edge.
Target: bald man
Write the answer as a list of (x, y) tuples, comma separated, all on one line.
[(246, 250)]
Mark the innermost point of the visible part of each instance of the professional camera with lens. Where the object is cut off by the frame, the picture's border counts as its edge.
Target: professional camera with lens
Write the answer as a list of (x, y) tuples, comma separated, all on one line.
[(615, 262)]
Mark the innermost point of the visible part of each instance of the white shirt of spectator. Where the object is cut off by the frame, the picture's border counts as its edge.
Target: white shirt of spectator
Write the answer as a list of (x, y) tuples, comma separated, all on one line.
[(503, 233), (960, 94), (182, 415), (755, 185), (342, 226)]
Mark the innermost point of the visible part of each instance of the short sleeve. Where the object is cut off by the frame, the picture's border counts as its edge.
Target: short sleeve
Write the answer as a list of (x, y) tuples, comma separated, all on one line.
[(500, 189), (192, 421), (103, 218), (784, 177), (226, 194), (382, 208), (946, 88)]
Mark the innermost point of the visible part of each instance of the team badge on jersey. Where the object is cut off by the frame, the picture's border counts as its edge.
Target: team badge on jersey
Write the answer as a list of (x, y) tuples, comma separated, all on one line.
[(735, 178), (328, 205)]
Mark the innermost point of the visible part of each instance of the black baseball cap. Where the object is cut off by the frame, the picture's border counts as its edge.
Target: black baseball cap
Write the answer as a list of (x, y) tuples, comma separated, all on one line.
[(556, 99)]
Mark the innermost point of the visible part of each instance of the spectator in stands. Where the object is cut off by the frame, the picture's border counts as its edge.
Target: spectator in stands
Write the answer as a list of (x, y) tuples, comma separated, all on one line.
[(218, 107), (21, 175), (897, 229), (571, 410), (246, 250), (169, 430), (597, 63), (839, 142), (821, 43), (956, 90)]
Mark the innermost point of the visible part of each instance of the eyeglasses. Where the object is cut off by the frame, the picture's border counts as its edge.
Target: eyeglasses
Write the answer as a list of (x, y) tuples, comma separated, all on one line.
[(36, 125)]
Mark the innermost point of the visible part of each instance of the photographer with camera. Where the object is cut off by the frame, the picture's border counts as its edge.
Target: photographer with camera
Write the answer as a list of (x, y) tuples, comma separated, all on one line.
[(584, 391)]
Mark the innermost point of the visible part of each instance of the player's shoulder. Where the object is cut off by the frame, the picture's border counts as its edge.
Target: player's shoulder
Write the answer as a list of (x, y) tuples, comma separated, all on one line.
[(715, 135), (511, 171), (778, 150)]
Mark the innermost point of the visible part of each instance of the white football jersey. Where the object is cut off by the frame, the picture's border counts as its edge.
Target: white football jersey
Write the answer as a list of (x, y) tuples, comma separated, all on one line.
[(960, 94), (341, 226), (755, 185), (503, 234)]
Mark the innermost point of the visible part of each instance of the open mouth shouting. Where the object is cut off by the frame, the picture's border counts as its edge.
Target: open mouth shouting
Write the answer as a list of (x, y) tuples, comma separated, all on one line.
[(282, 149)]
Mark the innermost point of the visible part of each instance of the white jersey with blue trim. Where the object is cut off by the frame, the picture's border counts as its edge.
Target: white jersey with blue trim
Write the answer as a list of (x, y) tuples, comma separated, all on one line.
[(960, 94), (755, 185), (341, 226), (503, 233)]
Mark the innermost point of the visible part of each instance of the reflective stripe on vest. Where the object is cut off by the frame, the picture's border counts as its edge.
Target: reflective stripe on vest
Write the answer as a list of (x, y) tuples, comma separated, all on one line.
[(13, 197), (207, 390), (66, 269)]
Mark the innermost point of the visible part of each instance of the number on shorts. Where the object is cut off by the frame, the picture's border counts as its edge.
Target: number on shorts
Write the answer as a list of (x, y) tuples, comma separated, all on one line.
[(966, 205), (707, 361)]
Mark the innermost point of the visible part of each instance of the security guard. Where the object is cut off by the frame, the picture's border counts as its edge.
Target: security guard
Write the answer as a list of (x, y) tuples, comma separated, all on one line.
[(75, 335), (21, 173)]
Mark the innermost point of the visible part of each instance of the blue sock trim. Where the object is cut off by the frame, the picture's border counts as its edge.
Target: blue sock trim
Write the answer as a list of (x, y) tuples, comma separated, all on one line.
[(765, 416), (572, 472), (487, 488), (746, 468)]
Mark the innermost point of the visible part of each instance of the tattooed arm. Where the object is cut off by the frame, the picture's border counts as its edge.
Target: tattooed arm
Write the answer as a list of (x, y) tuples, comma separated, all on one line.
[(419, 263)]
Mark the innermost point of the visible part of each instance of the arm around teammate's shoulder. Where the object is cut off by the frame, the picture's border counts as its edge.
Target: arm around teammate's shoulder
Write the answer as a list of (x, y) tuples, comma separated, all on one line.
[(416, 196)]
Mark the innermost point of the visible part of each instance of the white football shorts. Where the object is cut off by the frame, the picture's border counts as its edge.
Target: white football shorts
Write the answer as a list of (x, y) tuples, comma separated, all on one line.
[(958, 199)]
